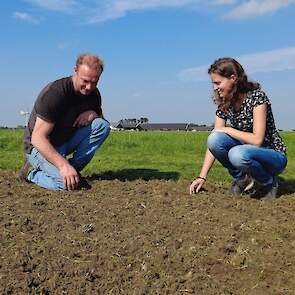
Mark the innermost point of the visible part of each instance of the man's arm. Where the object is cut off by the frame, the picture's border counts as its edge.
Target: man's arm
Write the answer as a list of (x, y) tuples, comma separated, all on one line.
[(85, 118), (40, 141)]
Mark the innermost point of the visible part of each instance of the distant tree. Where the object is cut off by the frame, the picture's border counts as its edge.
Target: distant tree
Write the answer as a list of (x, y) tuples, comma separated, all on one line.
[(143, 120)]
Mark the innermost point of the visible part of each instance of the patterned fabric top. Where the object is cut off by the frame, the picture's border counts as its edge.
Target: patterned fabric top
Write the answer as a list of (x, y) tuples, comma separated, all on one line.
[(243, 119)]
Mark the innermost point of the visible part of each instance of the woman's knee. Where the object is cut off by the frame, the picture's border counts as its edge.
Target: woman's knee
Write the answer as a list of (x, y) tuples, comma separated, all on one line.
[(239, 156), (215, 140)]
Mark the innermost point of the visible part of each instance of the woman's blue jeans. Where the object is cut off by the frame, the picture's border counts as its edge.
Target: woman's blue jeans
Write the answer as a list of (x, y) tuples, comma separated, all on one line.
[(83, 145), (240, 159)]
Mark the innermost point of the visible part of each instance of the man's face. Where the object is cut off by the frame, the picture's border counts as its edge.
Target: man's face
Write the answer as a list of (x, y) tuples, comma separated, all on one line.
[(85, 79)]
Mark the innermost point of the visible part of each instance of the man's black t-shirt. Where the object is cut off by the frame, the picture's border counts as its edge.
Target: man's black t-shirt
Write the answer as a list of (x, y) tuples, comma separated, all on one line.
[(58, 103)]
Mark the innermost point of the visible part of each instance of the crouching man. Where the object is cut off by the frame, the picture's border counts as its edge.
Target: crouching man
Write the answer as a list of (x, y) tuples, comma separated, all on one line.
[(66, 119)]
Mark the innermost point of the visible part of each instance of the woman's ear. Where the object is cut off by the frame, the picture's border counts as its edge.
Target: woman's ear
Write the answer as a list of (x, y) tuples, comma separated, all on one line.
[(233, 77)]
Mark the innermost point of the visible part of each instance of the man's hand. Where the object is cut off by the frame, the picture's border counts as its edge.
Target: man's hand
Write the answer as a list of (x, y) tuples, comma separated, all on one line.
[(70, 177), (85, 119)]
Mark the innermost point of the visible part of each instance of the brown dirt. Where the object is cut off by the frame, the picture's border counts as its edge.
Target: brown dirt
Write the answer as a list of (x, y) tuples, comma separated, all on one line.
[(144, 237)]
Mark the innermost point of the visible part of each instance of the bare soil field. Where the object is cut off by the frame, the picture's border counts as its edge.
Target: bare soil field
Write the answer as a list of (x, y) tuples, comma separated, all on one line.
[(144, 237)]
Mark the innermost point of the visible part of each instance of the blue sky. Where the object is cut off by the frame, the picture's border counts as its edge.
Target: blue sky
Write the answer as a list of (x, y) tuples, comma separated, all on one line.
[(156, 53)]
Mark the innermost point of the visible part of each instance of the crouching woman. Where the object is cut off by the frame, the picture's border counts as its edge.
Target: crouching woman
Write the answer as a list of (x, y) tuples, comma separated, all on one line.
[(251, 149)]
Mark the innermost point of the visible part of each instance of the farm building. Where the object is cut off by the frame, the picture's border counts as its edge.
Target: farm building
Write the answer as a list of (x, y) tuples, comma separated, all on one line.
[(139, 126)]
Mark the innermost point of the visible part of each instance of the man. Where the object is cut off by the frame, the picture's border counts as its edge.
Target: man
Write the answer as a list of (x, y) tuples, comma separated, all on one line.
[(66, 119)]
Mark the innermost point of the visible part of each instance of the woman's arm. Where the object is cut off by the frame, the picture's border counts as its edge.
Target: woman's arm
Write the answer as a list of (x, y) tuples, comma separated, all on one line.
[(259, 125), (207, 164)]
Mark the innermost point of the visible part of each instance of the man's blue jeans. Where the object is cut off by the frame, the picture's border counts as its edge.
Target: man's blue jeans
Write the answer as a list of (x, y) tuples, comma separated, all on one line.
[(240, 159), (83, 145)]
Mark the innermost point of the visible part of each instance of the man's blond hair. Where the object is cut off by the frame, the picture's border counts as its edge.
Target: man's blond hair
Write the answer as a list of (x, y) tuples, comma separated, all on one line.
[(91, 60)]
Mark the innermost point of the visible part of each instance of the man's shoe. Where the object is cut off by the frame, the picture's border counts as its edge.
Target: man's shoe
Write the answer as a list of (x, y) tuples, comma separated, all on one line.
[(24, 171), (243, 185), (268, 191)]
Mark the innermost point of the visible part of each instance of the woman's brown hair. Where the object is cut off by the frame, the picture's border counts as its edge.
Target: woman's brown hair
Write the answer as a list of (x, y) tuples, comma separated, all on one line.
[(226, 67)]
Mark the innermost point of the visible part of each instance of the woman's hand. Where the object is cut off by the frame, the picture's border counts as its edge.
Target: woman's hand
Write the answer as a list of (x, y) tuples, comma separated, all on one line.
[(223, 129), (196, 185)]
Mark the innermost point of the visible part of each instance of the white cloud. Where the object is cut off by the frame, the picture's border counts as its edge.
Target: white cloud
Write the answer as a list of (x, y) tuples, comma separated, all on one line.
[(257, 7), (223, 2), (136, 94), (104, 10), (62, 46), (114, 9), (23, 16), (194, 74), (268, 61), (58, 5)]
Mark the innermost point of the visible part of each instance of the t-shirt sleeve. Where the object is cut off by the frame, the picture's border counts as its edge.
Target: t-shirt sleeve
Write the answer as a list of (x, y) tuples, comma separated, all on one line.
[(260, 98), (98, 107), (50, 104), (221, 114), (97, 104)]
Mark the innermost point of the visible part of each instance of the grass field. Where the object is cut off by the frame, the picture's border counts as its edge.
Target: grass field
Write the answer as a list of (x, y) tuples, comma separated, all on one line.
[(171, 154)]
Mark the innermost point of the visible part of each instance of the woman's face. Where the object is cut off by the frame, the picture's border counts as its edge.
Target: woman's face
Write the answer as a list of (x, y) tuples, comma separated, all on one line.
[(223, 85)]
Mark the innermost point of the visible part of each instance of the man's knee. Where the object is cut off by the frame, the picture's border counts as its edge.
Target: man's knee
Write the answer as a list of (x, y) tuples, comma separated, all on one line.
[(53, 182), (59, 184), (100, 126)]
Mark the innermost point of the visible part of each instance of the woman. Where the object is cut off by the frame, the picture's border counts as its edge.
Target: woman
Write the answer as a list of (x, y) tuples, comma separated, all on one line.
[(251, 149)]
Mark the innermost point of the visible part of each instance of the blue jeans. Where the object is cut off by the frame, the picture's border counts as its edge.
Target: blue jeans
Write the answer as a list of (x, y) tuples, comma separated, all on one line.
[(240, 159), (83, 145)]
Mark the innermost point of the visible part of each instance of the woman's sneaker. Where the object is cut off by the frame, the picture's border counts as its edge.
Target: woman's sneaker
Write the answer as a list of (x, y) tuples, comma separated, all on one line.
[(243, 185), (268, 191)]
